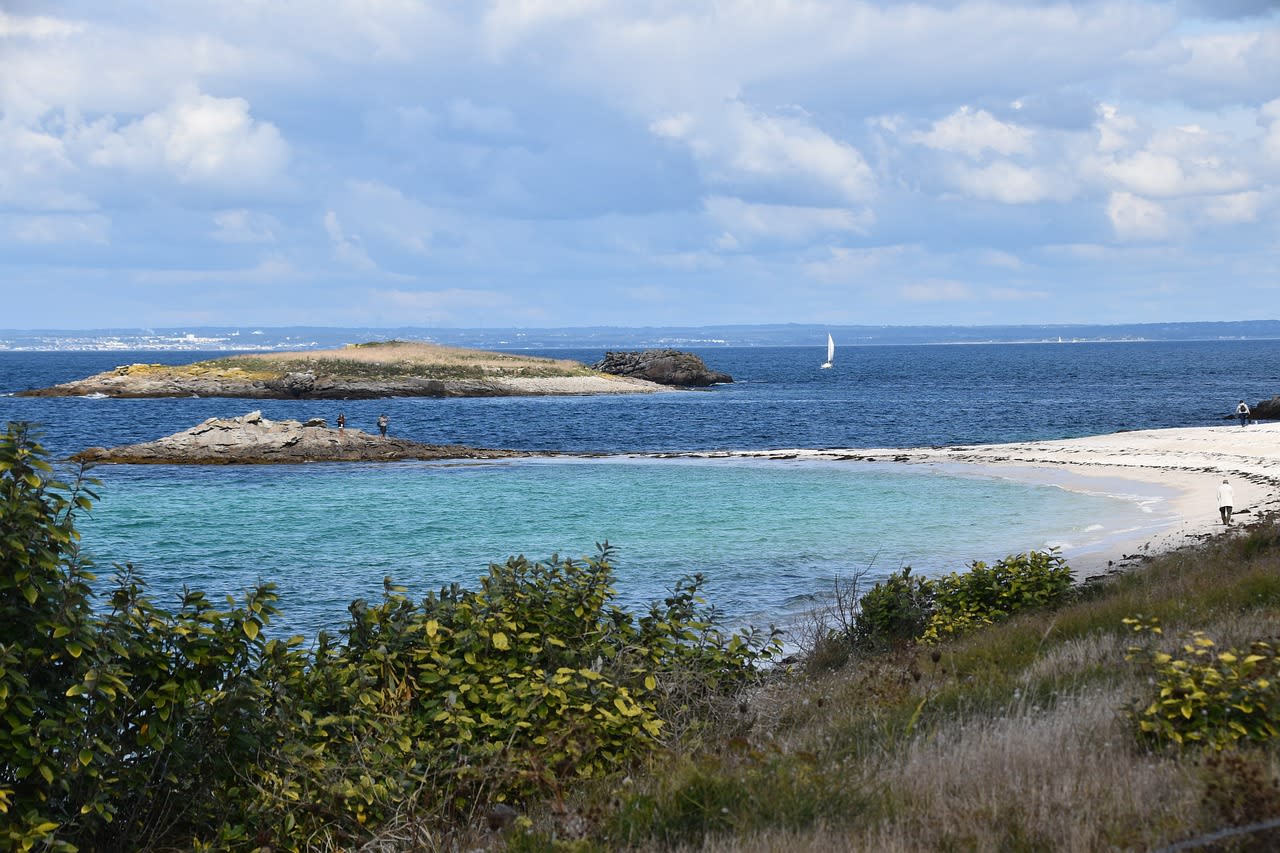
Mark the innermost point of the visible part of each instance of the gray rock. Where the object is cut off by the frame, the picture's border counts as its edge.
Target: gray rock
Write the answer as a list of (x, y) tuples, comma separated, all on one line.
[(1267, 410), (664, 366), (253, 440)]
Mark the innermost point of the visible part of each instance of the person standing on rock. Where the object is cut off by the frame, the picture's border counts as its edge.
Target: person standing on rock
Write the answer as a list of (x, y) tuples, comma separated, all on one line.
[(342, 423), (382, 424), (1226, 499), (1242, 412)]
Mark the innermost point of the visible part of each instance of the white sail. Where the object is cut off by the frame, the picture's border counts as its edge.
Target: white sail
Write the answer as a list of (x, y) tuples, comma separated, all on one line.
[(831, 352)]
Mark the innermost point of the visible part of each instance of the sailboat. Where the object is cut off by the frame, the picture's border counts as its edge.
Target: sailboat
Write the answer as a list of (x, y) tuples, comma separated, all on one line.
[(831, 352)]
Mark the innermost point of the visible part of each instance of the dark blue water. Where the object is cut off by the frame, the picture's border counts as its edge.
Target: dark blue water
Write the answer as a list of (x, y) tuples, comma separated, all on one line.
[(893, 396)]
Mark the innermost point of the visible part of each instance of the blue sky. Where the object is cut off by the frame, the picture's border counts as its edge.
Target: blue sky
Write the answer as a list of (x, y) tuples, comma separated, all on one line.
[(498, 163)]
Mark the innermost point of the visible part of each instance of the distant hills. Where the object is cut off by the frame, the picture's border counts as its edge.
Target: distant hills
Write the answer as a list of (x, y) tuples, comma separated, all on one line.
[(220, 338)]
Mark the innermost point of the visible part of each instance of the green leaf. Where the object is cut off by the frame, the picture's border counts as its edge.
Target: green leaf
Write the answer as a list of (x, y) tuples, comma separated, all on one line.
[(251, 629)]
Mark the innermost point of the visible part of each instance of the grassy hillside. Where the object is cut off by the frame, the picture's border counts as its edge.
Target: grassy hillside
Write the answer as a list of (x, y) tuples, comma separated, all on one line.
[(1024, 735), (379, 361)]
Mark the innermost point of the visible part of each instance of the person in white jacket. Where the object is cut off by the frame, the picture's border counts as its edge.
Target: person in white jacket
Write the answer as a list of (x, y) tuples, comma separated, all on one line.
[(1225, 501)]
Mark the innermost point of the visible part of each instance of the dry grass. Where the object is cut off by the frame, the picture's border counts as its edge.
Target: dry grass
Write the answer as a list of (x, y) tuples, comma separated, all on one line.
[(1014, 738), (417, 354)]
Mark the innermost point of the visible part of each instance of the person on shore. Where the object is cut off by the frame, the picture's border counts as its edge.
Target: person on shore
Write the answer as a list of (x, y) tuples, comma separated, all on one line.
[(342, 423), (1225, 501), (382, 424), (1242, 412)]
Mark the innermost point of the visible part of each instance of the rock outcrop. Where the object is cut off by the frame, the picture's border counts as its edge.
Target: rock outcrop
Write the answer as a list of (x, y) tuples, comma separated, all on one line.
[(664, 366), (1268, 410), (254, 440), (142, 381)]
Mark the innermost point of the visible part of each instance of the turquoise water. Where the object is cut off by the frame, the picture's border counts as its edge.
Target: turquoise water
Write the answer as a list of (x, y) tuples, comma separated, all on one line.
[(770, 535)]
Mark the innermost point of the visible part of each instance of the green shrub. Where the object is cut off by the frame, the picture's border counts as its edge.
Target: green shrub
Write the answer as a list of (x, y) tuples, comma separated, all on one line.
[(987, 594), (129, 726), (894, 612), (1206, 696), (903, 608)]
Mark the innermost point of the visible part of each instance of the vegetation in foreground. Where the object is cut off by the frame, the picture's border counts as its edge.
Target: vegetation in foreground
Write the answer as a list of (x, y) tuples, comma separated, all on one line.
[(998, 708), (377, 361)]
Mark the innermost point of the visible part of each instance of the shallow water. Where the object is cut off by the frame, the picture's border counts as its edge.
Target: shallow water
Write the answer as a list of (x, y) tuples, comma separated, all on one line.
[(770, 536)]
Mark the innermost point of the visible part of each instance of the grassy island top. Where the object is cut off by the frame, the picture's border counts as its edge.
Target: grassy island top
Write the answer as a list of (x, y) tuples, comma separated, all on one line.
[(381, 360)]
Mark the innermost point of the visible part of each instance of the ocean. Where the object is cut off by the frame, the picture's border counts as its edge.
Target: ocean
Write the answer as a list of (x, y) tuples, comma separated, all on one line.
[(771, 536)]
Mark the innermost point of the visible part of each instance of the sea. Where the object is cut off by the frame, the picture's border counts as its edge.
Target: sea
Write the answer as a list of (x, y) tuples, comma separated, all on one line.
[(646, 474)]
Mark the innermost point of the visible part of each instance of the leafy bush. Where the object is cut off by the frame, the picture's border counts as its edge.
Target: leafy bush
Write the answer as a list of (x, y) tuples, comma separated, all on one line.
[(1206, 696), (986, 594), (131, 726), (904, 608), (893, 612)]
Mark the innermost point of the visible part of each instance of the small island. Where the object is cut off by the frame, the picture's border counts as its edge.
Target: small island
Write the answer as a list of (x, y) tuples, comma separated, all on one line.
[(253, 440), (357, 371)]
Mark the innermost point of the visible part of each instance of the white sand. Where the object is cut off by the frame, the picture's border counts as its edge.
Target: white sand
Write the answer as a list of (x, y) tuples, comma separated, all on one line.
[(1186, 464)]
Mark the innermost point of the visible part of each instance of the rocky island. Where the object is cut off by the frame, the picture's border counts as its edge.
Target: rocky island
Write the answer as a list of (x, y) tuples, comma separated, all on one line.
[(664, 366), (253, 440), (358, 371)]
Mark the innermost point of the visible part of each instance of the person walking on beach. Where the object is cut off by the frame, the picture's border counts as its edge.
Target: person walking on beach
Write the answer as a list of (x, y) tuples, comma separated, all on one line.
[(1242, 411), (342, 423), (1225, 501), (382, 424)]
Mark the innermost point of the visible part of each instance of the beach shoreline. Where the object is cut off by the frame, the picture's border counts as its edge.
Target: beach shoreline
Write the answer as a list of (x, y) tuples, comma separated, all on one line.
[(1180, 468)]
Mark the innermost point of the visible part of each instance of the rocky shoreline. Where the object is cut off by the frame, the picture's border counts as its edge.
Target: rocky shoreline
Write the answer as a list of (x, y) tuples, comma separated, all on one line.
[(355, 374), (128, 381), (253, 440)]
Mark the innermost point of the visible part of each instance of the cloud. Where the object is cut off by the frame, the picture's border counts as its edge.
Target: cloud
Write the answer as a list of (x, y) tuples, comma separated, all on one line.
[(785, 223), (1009, 183), (1135, 218), (387, 213), (348, 251), (973, 133), (1233, 209), (737, 146), (197, 139), (574, 156)]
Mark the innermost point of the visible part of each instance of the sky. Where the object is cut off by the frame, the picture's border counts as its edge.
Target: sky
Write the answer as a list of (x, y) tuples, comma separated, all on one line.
[(549, 163)]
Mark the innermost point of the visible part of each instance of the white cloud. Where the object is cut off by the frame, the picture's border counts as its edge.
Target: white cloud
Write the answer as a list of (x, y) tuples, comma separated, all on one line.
[(347, 250), (1166, 176), (974, 132), (1135, 218), (843, 264), (788, 223), (1115, 130), (738, 145), (37, 28), (1233, 209), (37, 173), (197, 139), (1009, 183), (384, 211)]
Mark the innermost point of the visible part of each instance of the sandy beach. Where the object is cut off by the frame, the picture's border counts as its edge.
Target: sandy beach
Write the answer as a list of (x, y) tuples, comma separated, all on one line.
[(1185, 465)]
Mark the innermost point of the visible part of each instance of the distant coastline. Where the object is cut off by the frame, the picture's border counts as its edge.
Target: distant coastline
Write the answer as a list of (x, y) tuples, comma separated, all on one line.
[(265, 339)]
